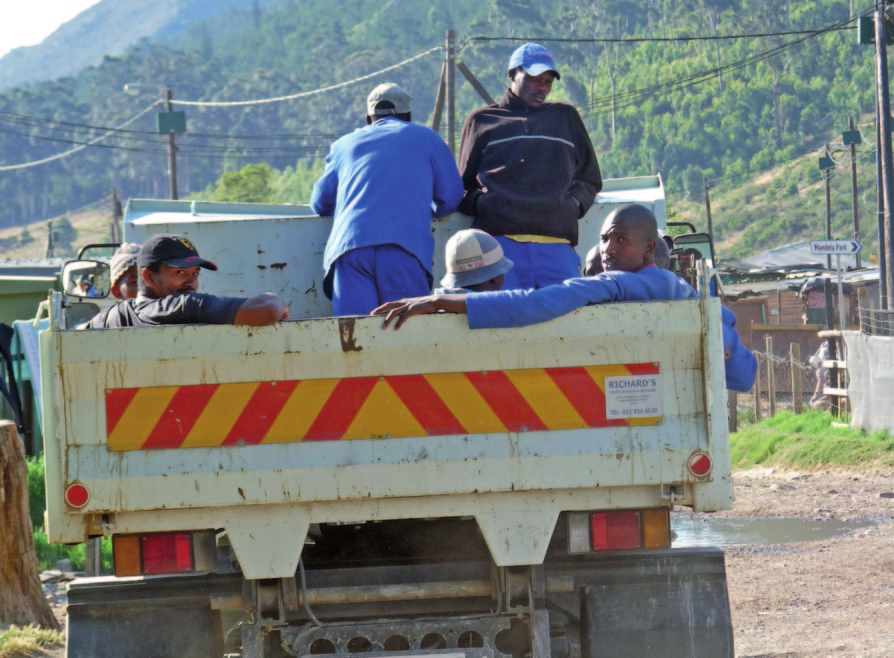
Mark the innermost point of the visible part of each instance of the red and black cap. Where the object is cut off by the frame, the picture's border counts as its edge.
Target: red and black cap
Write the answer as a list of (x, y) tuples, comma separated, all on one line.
[(171, 250)]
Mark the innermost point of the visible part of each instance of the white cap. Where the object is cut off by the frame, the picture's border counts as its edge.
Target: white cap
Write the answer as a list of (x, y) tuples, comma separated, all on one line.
[(473, 257), (124, 259), (392, 93)]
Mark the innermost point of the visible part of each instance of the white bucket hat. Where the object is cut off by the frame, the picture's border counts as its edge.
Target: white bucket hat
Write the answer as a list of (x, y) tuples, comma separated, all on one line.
[(473, 257)]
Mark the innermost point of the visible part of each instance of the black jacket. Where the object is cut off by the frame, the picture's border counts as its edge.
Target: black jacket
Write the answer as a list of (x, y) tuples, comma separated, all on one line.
[(527, 171)]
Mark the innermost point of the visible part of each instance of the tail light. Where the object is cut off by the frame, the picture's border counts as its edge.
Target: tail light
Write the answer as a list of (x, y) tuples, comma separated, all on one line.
[(700, 464), (164, 553), (77, 495), (618, 530)]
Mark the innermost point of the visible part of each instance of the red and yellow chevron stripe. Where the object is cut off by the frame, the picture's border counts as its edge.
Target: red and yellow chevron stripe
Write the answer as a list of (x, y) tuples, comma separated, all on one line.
[(210, 416)]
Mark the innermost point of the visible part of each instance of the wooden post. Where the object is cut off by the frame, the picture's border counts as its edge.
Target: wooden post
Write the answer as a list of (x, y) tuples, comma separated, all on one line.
[(758, 412), (794, 360), (771, 381), (451, 91), (93, 557), (476, 83), (733, 411), (22, 600), (439, 100)]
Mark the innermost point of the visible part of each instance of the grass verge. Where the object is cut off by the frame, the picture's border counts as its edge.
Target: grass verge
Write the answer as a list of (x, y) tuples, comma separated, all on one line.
[(808, 441), (27, 641)]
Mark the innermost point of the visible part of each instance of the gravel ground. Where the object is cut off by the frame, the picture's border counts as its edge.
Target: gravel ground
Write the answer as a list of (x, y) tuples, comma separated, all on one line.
[(800, 600)]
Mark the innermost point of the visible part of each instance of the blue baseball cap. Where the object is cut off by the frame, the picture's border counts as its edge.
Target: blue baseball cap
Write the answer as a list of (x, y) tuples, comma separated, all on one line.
[(534, 59)]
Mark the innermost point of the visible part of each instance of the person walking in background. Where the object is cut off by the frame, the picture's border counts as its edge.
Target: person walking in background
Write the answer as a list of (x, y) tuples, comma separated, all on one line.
[(819, 399)]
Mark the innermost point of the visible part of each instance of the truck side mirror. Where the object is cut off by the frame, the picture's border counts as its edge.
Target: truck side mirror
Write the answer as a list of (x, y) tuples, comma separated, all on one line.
[(86, 279)]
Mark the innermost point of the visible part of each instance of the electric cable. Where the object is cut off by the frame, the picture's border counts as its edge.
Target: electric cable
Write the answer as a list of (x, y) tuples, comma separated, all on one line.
[(305, 94), (82, 146)]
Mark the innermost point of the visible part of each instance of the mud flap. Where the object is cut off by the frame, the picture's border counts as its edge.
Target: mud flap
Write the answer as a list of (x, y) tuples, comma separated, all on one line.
[(672, 604), (137, 618)]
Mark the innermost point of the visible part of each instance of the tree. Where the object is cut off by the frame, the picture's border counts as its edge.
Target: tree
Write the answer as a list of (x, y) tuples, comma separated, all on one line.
[(250, 184), (22, 600), (64, 234)]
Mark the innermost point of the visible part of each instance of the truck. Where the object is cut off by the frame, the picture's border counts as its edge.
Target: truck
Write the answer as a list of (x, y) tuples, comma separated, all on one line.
[(328, 487)]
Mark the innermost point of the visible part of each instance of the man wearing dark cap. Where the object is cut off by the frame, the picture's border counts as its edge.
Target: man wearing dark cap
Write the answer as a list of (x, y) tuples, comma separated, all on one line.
[(168, 267), (530, 173), (382, 184)]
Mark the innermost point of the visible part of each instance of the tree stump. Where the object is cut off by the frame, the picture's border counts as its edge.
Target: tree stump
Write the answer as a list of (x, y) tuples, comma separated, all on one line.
[(22, 600)]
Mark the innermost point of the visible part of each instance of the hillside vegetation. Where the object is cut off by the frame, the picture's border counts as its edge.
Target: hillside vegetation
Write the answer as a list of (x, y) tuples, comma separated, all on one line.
[(729, 110)]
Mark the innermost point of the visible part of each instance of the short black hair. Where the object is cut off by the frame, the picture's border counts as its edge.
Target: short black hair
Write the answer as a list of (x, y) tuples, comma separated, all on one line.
[(388, 105)]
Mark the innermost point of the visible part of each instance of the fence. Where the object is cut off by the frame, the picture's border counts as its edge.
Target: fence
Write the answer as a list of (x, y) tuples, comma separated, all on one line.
[(876, 322), (784, 384)]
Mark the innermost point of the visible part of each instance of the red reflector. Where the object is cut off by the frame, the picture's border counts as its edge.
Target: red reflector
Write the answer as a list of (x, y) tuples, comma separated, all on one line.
[(169, 553), (616, 531), (77, 495), (700, 464)]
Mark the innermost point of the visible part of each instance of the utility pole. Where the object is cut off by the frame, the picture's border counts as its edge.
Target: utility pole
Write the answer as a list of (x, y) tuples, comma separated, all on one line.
[(851, 139), (884, 114), (451, 91), (880, 218), (710, 221), (172, 148), (827, 283), (48, 249), (117, 213)]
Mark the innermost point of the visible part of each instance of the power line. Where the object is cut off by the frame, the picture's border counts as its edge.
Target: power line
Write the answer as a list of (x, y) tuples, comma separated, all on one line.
[(637, 96), (719, 37), (305, 94), (84, 145), (82, 127)]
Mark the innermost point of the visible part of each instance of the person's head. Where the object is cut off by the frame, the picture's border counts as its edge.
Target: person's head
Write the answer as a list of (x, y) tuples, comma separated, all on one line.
[(593, 263), (387, 100), (169, 265), (531, 74), (83, 283), (628, 238), (475, 261), (125, 281), (662, 253)]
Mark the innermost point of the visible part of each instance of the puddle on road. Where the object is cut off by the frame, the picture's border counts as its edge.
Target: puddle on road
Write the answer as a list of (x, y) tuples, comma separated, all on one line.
[(709, 531)]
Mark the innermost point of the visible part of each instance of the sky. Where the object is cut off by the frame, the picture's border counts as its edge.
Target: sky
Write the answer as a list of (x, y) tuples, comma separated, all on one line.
[(27, 22)]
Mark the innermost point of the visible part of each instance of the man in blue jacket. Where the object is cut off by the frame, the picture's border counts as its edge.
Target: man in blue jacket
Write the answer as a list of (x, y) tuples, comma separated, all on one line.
[(382, 183), (628, 240)]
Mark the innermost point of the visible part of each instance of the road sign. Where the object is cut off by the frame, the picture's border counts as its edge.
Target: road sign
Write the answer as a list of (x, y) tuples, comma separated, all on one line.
[(835, 247)]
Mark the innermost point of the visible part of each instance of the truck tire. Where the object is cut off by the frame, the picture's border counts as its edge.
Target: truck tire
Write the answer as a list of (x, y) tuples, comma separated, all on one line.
[(670, 603)]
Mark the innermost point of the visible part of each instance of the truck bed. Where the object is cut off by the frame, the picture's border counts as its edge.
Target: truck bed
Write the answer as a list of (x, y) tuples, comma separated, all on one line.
[(264, 431)]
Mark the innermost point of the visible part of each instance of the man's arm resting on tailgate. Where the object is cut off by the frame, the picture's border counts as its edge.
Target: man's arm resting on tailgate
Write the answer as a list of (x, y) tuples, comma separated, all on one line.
[(261, 310)]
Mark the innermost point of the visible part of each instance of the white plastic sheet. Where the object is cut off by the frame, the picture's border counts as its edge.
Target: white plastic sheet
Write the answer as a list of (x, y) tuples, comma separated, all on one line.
[(870, 364)]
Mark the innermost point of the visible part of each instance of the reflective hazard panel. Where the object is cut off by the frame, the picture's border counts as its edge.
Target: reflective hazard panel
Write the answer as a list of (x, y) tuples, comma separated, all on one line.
[(443, 404)]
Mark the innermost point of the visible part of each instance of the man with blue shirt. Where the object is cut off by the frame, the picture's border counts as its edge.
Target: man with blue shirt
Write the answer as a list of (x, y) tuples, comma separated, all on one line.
[(628, 240), (382, 184)]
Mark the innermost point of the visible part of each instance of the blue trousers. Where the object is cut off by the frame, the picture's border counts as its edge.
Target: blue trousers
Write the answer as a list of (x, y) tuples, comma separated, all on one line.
[(365, 278), (538, 265)]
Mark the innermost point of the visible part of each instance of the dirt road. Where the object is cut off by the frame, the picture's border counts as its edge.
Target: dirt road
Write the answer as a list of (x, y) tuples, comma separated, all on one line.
[(815, 599), (820, 599)]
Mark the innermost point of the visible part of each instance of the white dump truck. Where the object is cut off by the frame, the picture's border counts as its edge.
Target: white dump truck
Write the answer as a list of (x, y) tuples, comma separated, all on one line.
[(327, 487)]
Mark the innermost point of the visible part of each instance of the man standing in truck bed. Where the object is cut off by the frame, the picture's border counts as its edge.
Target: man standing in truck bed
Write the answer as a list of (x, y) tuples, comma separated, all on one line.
[(381, 184), (168, 267), (530, 173)]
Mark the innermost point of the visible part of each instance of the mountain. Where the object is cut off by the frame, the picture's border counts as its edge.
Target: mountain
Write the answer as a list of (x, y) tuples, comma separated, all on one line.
[(656, 94), (109, 27)]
